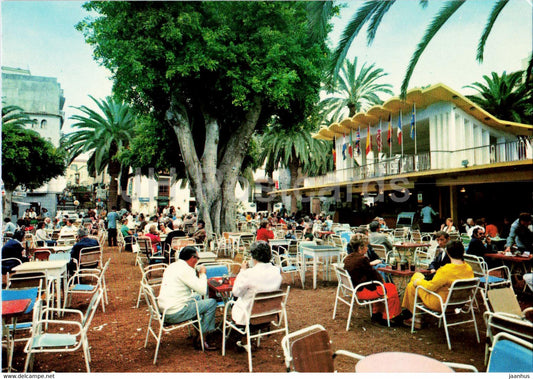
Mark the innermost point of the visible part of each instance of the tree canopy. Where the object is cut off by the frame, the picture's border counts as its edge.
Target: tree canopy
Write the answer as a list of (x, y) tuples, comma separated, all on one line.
[(214, 72)]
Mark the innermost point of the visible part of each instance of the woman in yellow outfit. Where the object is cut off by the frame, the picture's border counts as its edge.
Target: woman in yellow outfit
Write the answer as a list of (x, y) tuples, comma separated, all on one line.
[(441, 282)]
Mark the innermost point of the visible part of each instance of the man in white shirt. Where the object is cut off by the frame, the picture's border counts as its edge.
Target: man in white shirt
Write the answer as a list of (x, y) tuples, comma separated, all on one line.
[(69, 228), (175, 294)]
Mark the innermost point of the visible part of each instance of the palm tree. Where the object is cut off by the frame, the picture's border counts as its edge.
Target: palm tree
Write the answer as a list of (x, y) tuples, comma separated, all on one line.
[(372, 12), (506, 97), (104, 133), (295, 149), (14, 116), (354, 90)]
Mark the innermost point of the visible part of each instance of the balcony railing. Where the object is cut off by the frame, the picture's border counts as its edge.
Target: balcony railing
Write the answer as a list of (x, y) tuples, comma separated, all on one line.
[(496, 153)]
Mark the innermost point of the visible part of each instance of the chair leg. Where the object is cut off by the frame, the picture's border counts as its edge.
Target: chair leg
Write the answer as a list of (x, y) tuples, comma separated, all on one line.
[(139, 297), (148, 331), (29, 362), (158, 343), (446, 332), (336, 301), (86, 356), (249, 348), (224, 338)]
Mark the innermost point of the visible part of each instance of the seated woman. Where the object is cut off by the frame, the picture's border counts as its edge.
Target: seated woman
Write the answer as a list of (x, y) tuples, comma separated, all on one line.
[(264, 233), (153, 234), (358, 267), (448, 226), (441, 282), (42, 237)]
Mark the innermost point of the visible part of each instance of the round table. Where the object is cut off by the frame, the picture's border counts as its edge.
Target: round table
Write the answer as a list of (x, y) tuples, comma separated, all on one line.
[(400, 362)]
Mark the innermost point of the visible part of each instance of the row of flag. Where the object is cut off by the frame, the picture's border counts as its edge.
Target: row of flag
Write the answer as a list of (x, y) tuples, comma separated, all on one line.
[(355, 148)]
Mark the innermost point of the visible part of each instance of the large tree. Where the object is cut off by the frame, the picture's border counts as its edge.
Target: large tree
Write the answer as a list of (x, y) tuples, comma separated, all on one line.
[(372, 13), (27, 159), (214, 71), (103, 133), (506, 96)]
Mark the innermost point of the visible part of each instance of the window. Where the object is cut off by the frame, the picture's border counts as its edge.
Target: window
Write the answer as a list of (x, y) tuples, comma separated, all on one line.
[(43, 124)]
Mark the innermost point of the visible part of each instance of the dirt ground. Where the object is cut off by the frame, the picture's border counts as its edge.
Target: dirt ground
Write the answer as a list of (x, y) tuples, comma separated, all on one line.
[(117, 336)]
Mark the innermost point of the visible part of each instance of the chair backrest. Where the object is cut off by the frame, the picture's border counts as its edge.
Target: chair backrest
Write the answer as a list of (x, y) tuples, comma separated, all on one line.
[(478, 264), (145, 245), (26, 280), (41, 254), (246, 240), (153, 274), (32, 293), (344, 278), (510, 354), (151, 300), (9, 263), (381, 251), (503, 300), (91, 309), (178, 242), (416, 236), (268, 306), (89, 256), (462, 292), (310, 352), (217, 270)]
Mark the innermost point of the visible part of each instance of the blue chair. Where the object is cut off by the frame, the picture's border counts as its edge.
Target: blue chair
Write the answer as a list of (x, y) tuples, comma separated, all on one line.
[(510, 354), (213, 271)]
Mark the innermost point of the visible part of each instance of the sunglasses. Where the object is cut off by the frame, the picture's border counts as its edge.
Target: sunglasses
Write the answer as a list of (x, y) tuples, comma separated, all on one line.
[(196, 256)]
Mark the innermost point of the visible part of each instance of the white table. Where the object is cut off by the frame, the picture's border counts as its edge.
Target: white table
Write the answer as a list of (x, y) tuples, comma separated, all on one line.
[(59, 249), (54, 270), (206, 256), (315, 252), (400, 362)]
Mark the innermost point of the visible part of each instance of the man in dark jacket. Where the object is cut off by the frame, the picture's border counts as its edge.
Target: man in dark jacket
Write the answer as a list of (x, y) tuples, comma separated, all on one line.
[(479, 245), (13, 249), (83, 241), (441, 258)]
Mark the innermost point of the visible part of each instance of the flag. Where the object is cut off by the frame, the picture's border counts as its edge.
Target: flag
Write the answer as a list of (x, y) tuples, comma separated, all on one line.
[(413, 121), (399, 127), (358, 141), (368, 141), (389, 134), (334, 156), (379, 142), (350, 146), (344, 147)]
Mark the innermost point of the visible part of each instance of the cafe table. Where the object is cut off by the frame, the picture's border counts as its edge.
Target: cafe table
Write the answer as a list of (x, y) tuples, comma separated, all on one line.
[(55, 270), (403, 276), (220, 289), (407, 249), (12, 309), (400, 362), (518, 264), (315, 252), (276, 243)]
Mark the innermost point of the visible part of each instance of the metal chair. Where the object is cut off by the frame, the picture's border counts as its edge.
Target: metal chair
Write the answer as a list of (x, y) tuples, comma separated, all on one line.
[(267, 307), (158, 317), (460, 300), (42, 340), (152, 276), (286, 264), (145, 246), (309, 350), (93, 280), (510, 354), (486, 276), (346, 290)]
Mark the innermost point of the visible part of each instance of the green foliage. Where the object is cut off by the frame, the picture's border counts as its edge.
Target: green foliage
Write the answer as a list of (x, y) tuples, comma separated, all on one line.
[(13, 115), (508, 97), (28, 159), (355, 91), (104, 133), (213, 58)]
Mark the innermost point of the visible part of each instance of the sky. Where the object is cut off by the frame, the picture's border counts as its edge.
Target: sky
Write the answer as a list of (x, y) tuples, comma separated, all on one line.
[(40, 36)]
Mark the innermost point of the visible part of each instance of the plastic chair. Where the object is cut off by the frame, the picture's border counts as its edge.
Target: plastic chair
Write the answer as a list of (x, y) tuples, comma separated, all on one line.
[(286, 264), (267, 307), (345, 290), (42, 341), (158, 317), (152, 276), (481, 270), (145, 246), (460, 300), (41, 254), (96, 279), (309, 350), (510, 354)]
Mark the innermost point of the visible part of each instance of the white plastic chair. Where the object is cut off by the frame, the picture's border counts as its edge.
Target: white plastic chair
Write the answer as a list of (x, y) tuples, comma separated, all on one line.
[(460, 300), (346, 290), (266, 307)]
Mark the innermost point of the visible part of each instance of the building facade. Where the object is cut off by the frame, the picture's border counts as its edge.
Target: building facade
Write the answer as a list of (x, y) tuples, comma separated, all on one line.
[(444, 150), (42, 100)]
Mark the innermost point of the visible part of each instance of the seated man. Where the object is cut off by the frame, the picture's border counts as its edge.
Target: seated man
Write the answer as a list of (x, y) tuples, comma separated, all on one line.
[(176, 232), (127, 233), (440, 258), (378, 238), (477, 245), (13, 249), (83, 241), (179, 279), (441, 282), (200, 233), (69, 228), (9, 228)]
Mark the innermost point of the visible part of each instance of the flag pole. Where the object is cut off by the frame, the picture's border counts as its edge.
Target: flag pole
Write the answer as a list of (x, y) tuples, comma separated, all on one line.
[(414, 111), (401, 128)]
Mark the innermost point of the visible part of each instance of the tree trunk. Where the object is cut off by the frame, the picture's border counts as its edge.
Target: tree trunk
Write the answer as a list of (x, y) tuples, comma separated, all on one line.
[(7, 203), (213, 185), (124, 200), (293, 169), (113, 169)]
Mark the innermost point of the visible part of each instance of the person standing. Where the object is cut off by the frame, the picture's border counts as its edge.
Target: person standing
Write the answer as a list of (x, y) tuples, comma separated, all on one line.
[(427, 214), (520, 234), (112, 218), (178, 288)]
